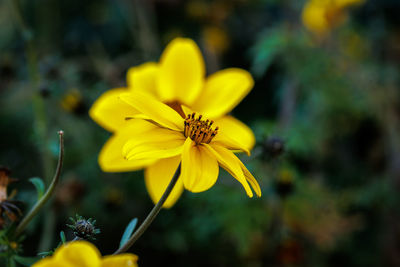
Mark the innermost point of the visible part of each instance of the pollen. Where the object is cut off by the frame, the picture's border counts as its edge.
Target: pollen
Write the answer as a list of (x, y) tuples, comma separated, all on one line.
[(199, 130)]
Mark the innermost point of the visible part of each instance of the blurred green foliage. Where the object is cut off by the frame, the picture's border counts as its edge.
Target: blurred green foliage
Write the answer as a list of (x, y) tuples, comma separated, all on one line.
[(330, 199)]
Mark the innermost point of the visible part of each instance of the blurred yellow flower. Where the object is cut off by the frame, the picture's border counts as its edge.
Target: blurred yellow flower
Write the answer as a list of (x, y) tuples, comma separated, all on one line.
[(177, 80), (85, 254), (216, 39), (321, 16)]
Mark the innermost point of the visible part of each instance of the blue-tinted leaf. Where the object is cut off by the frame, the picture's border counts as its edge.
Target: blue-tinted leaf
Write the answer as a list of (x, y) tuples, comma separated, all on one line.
[(128, 232), (62, 236), (39, 185)]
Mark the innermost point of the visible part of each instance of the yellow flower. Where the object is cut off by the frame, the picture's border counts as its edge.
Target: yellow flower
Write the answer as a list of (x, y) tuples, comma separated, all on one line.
[(193, 140), (177, 80), (85, 254), (320, 16)]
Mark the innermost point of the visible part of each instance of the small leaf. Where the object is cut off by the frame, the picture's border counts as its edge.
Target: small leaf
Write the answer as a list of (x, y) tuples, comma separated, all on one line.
[(45, 254), (25, 261), (128, 232), (62, 236), (39, 185)]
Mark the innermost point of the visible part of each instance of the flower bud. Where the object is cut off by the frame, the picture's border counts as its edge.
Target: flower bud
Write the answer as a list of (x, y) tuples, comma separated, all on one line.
[(84, 228)]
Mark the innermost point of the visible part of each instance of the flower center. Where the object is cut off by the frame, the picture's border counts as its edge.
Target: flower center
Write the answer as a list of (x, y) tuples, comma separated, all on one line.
[(199, 130)]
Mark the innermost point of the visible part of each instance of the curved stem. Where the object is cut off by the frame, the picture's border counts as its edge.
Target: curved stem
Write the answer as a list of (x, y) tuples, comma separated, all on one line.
[(39, 113), (152, 215), (36, 208)]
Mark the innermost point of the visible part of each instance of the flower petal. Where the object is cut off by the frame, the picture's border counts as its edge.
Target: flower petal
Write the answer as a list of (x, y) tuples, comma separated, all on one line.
[(121, 260), (230, 163), (224, 140), (223, 90), (156, 144), (182, 71), (236, 130), (186, 110), (250, 178), (143, 78), (109, 111), (157, 177), (111, 158), (155, 110), (79, 253), (199, 167)]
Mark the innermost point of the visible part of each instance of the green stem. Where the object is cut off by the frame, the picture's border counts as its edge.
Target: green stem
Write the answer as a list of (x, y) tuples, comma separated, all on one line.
[(39, 111), (152, 215), (36, 208)]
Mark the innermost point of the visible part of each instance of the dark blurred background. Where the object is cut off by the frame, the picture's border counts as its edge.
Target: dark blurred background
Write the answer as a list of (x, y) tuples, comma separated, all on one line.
[(325, 109)]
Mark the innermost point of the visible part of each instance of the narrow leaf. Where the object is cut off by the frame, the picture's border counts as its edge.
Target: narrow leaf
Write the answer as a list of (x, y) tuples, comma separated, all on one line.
[(62, 236), (39, 185), (128, 232)]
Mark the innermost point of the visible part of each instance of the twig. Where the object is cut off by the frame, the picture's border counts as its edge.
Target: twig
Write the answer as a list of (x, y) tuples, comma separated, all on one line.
[(36, 208)]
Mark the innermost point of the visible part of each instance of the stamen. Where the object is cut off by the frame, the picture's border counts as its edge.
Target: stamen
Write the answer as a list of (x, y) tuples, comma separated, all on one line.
[(199, 130)]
